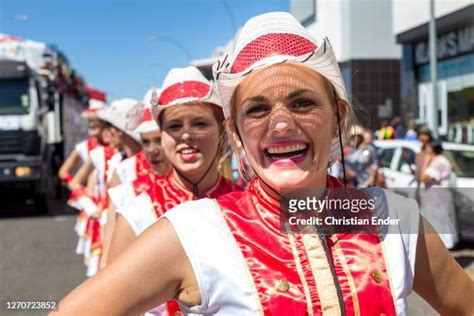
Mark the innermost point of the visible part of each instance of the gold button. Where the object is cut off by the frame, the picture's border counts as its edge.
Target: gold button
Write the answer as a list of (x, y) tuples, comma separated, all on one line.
[(376, 276), (282, 285)]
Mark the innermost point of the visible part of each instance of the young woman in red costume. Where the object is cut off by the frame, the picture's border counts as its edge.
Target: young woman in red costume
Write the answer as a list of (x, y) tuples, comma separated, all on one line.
[(192, 127), (103, 161), (136, 174), (81, 150), (284, 96), (139, 172)]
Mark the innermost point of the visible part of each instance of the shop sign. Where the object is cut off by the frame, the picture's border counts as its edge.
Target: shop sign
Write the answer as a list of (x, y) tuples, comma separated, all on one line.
[(448, 45)]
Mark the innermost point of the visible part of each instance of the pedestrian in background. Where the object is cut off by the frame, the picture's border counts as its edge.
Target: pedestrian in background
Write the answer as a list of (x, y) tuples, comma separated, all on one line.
[(386, 131), (436, 198), (361, 161)]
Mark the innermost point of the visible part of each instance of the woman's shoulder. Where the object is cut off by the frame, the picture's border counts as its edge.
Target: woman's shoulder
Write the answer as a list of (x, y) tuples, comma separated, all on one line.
[(138, 212), (197, 210)]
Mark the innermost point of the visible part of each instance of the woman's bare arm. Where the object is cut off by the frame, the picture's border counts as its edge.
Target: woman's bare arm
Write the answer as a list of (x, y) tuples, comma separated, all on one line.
[(148, 273), (110, 225), (115, 180), (82, 175), (123, 237), (91, 182), (69, 164), (438, 277)]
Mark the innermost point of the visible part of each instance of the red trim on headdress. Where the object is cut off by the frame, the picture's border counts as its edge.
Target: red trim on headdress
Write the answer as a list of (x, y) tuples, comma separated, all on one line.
[(271, 44), (186, 89), (146, 116)]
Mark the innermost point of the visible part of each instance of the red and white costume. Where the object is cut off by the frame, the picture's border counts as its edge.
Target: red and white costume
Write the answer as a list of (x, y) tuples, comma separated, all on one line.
[(136, 175), (166, 193), (84, 148), (244, 265), (104, 159)]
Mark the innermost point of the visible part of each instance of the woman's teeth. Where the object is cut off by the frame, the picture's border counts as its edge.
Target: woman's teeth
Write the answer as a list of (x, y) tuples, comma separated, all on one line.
[(286, 149), (188, 151)]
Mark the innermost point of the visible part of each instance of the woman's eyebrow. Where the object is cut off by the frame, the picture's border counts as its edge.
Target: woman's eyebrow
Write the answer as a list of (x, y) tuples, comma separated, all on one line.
[(172, 121), (257, 98), (296, 93)]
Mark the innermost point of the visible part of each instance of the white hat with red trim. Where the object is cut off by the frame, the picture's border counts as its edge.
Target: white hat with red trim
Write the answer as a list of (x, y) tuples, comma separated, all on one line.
[(269, 39), (140, 118), (273, 38), (184, 85), (116, 114), (94, 106)]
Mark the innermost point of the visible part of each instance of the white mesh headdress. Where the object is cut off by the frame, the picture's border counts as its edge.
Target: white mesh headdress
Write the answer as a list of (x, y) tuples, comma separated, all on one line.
[(140, 118), (270, 39), (116, 114), (184, 85), (94, 106)]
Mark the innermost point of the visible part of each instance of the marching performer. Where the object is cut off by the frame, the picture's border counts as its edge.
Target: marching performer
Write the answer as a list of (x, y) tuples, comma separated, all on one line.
[(123, 143), (139, 172), (81, 150), (81, 197), (193, 140), (284, 97)]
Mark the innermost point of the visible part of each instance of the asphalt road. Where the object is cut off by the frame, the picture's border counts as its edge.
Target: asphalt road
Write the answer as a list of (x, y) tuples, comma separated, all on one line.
[(38, 260)]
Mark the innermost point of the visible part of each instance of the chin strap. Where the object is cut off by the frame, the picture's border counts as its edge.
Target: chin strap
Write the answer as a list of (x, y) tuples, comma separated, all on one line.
[(341, 147), (194, 185)]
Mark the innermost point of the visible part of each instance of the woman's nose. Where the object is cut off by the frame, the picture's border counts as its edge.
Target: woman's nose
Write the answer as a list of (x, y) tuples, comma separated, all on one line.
[(186, 136), (281, 123)]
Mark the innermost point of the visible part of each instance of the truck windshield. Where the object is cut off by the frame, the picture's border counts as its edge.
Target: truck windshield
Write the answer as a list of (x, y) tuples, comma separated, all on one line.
[(14, 98)]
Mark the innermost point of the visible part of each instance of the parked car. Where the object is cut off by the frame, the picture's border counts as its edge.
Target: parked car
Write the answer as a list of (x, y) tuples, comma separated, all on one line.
[(397, 159)]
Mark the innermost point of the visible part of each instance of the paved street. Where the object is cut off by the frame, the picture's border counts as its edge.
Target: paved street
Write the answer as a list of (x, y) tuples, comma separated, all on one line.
[(38, 261)]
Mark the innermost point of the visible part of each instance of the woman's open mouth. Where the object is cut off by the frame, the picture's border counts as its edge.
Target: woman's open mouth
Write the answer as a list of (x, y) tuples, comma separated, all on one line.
[(282, 154), (188, 154), (155, 162)]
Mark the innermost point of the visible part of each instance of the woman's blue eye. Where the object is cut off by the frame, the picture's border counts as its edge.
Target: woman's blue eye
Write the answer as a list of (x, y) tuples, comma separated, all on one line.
[(174, 126), (302, 104), (200, 124), (257, 110)]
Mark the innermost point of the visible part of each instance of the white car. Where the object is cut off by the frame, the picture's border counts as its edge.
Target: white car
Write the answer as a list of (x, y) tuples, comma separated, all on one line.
[(397, 159)]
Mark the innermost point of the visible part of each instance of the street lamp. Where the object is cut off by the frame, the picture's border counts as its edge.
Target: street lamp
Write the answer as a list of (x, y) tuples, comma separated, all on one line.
[(230, 13), (433, 69), (172, 41)]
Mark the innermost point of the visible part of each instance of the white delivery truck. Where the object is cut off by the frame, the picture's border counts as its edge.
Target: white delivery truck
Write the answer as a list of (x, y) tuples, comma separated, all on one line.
[(40, 97)]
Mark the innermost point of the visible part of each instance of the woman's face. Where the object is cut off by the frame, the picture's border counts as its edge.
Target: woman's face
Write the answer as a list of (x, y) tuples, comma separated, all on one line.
[(115, 137), (190, 138), (154, 152), (286, 119), (105, 136), (95, 126)]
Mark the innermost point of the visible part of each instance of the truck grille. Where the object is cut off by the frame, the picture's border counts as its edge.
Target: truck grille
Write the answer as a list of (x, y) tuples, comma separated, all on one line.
[(19, 142)]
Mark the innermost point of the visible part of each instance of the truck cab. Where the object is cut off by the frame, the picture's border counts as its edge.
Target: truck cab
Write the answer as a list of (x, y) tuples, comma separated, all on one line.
[(35, 92)]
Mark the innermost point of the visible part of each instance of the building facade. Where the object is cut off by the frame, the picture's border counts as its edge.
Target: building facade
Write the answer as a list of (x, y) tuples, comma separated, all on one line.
[(455, 71), (361, 33)]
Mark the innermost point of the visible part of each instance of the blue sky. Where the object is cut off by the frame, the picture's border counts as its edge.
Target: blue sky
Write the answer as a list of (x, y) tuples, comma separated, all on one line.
[(108, 41)]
